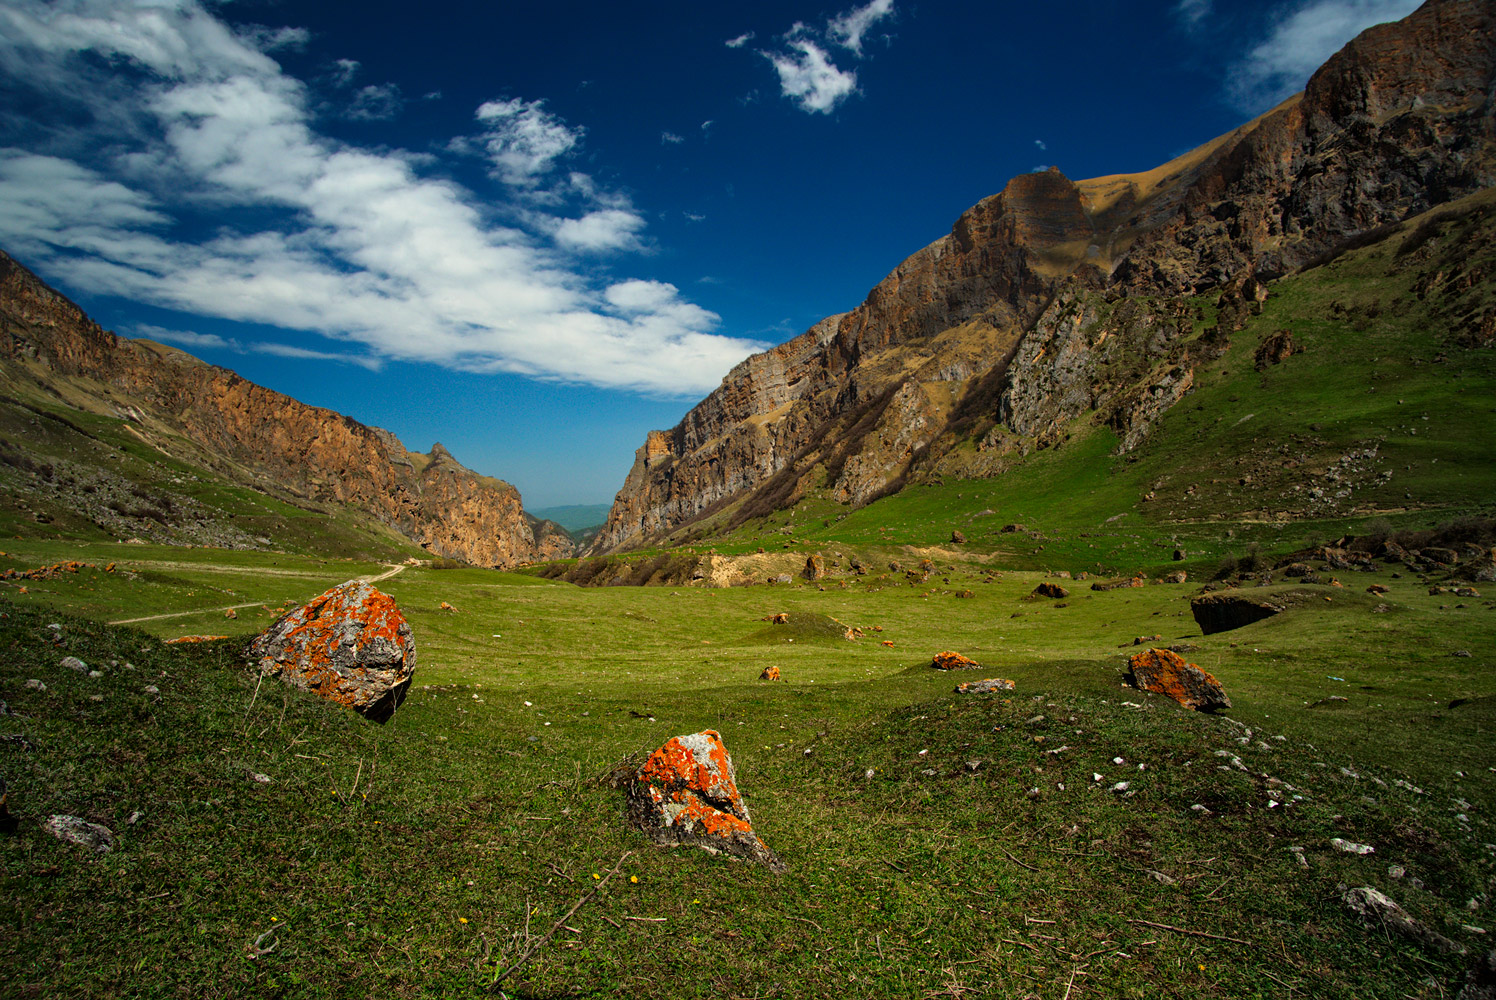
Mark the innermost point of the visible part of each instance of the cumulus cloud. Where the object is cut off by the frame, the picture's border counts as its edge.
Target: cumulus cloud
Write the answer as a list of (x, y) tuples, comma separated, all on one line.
[(524, 140), (847, 29), (322, 238), (809, 77), (1300, 42)]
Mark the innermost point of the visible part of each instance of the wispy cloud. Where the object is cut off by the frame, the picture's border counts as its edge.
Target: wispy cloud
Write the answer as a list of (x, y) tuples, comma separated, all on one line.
[(740, 41), (809, 78), (847, 29), (330, 241), (671, 139), (187, 338), (1191, 12), (807, 73), (1041, 144), (1298, 41), (376, 103)]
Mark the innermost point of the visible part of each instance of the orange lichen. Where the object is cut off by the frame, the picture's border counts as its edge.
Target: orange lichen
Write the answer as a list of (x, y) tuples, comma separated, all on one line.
[(769, 674), (195, 638), (949, 660), (1165, 672)]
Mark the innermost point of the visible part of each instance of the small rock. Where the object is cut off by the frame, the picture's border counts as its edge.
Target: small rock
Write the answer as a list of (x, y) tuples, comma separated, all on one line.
[(95, 674), (769, 674), (949, 660), (1378, 911), (74, 664), (1050, 590), (1120, 787), (957, 538), (1351, 847), (80, 831), (35, 685), (151, 689), (1396, 871), (987, 686), (258, 778)]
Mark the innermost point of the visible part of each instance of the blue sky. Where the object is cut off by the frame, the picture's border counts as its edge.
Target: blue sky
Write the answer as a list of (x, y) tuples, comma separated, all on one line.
[(534, 234)]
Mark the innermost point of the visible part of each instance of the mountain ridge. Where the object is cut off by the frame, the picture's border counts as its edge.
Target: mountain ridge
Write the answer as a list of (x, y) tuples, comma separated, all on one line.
[(1398, 121)]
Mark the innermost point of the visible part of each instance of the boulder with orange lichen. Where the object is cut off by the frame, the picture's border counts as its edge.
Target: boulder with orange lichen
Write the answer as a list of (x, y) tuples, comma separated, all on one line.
[(350, 645), (687, 793), (949, 660), (1165, 672), (770, 674)]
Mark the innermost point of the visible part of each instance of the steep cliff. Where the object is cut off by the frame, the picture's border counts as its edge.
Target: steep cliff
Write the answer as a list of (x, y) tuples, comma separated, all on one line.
[(256, 435), (1056, 298)]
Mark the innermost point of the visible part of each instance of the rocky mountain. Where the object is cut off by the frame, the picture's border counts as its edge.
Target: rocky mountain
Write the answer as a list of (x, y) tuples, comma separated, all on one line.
[(172, 401), (1056, 300)]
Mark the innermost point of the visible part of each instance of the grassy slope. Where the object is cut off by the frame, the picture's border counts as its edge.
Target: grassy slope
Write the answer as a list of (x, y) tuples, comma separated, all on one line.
[(482, 808)]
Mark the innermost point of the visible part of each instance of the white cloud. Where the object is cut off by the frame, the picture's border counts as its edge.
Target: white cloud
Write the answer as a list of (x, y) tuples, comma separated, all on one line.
[(1192, 12), (524, 140), (186, 337), (694, 217), (302, 353), (740, 41), (1041, 144), (376, 103), (1300, 43), (344, 70), (607, 229), (847, 29), (671, 139), (809, 78), (326, 238)]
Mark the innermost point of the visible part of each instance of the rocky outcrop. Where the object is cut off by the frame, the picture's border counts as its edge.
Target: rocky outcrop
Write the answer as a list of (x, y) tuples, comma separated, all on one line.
[(1055, 301), (687, 793), (1165, 672), (350, 645), (1224, 612), (261, 437)]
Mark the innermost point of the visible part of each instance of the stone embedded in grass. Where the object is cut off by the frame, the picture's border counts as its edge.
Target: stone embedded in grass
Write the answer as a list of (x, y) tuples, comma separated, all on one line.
[(949, 660), (79, 831), (350, 645), (1351, 847), (1050, 590), (195, 638), (1379, 911), (984, 686), (770, 674), (74, 664), (1164, 672), (687, 793)]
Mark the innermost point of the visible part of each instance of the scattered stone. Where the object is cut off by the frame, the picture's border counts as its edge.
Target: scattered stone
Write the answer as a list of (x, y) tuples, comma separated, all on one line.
[(230, 613), (79, 831), (1460, 652), (1178, 576), (350, 645), (1011, 529), (74, 664), (815, 567), (446, 607), (1179, 555), (783, 578), (194, 638), (965, 594), (1167, 673), (1378, 588), (1378, 911), (258, 778), (957, 538), (1224, 612), (1351, 847), (782, 618), (770, 674), (1051, 590), (888, 642), (151, 689), (35, 685), (687, 793), (984, 687), (1139, 640), (953, 661), (1102, 586)]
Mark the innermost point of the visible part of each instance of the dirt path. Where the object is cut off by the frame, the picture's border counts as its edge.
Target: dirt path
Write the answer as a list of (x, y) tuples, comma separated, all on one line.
[(393, 569)]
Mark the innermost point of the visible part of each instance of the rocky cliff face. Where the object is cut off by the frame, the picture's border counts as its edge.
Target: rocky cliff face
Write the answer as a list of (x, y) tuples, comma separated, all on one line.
[(259, 436), (1054, 299)]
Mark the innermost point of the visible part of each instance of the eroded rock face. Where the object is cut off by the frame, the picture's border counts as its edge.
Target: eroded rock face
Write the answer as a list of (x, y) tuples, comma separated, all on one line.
[(687, 793), (1165, 672), (953, 661), (1224, 612), (350, 645), (303, 453), (1054, 298)]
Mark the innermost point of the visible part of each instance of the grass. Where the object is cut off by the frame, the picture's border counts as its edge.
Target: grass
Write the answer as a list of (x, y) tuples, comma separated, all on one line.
[(372, 845)]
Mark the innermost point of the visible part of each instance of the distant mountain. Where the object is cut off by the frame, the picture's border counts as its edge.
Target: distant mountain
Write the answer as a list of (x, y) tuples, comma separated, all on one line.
[(54, 360), (1057, 300), (575, 517)]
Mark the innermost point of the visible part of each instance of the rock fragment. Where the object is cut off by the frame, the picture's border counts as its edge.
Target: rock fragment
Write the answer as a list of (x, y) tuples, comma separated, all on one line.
[(770, 674), (1167, 673), (949, 660), (74, 664), (687, 793), (985, 686), (350, 645), (1378, 911), (79, 831), (1051, 590)]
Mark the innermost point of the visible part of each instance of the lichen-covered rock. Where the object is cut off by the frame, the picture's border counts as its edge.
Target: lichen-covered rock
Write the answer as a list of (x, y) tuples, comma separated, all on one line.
[(985, 686), (79, 831), (687, 793), (1165, 672), (770, 674), (1224, 612), (194, 638), (815, 567), (953, 661), (350, 645), (1051, 590)]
